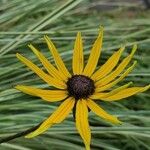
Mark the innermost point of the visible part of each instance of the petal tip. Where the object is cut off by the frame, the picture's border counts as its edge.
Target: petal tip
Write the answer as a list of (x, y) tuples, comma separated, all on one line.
[(48, 40), (101, 28), (32, 135), (118, 121), (29, 45), (46, 37), (147, 87), (18, 55), (79, 33), (17, 86), (133, 49), (135, 46), (29, 136), (34, 50), (122, 48), (131, 82), (135, 62)]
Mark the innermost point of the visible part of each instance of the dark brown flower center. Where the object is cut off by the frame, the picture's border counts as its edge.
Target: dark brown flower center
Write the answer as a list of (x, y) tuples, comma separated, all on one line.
[(80, 86)]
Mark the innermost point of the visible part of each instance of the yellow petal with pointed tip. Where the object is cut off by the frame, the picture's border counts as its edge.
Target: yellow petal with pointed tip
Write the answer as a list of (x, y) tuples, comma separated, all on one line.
[(126, 93), (59, 63), (82, 124), (94, 56), (122, 76), (108, 66), (48, 95), (101, 113), (118, 70), (98, 96), (78, 60), (58, 116), (48, 66), (48, 79)]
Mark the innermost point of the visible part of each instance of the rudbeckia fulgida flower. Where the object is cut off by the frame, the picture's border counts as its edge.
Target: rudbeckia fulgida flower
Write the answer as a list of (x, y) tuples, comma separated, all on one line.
[(80, 90)]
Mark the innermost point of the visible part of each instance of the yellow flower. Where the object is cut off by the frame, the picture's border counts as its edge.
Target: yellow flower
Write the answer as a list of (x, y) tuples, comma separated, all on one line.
[(77, 91)]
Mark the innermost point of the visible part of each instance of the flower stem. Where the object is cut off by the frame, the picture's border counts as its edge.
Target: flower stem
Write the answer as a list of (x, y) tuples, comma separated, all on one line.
[(20, 134)]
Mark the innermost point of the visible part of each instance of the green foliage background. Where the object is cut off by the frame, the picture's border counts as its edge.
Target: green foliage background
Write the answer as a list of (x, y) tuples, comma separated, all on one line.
[(24, 22)]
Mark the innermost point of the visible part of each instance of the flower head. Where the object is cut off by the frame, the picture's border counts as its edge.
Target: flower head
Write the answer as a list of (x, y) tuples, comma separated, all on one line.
[(80, 90)]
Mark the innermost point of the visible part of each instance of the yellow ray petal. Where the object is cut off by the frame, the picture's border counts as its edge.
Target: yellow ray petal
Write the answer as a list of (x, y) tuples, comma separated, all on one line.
[(126, 93), (98, 95), (78, 60), (108, 66), (48, 79), (48, 66), (94, 56), (59, 63), (118, 70), (48, 95), (101, 113), (122, 76), (58, 116), (82, 124)]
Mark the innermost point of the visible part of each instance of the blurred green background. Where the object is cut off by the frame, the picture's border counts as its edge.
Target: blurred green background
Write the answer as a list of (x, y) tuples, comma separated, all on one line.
[(26, 21)]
